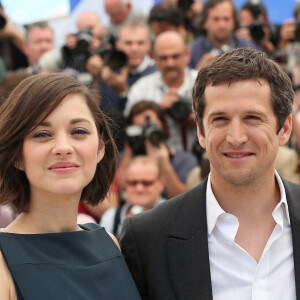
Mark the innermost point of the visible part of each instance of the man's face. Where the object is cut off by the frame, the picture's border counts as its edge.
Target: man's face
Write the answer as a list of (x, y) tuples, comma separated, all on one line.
[(91, 22), (143, 186), (160, 26), (240, 132), (40, 40), (135, 42), (219, 24), (140, 119), (171, 58), (117, 11)]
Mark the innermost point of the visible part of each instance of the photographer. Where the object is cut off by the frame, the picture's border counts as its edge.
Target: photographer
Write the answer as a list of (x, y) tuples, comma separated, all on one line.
[(134, 41), (73, 55), (149, 136), (170, 87), (218, 23), (255, 26), (11, 42)]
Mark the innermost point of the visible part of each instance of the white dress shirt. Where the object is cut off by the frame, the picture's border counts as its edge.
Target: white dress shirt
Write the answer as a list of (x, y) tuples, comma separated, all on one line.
[(235, 274)]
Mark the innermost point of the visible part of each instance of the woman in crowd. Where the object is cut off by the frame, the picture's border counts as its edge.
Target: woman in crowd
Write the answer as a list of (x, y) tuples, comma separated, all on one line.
[(56, 150)]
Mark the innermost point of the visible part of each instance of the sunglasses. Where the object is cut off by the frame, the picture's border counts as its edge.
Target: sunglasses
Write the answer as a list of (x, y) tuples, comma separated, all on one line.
[(143, 182)]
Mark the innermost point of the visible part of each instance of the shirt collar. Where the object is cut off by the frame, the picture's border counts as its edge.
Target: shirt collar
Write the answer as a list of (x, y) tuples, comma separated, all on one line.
[(214, 210), (147, 62)]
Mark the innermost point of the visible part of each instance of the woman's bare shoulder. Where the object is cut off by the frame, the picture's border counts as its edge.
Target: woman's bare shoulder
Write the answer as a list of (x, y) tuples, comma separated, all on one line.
[(114, 239), (7, 286)]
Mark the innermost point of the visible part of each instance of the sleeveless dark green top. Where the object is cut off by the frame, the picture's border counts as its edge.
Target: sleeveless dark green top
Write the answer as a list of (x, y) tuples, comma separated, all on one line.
[(67, 266)]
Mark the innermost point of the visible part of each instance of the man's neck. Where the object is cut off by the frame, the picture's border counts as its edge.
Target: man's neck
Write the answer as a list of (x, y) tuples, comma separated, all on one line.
[(218, 44), (174, 83), (249, 200)]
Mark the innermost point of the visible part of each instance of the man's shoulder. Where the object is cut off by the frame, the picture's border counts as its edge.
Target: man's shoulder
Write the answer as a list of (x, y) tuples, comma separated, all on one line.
[(165, 213), (242, 42), (145, 81)]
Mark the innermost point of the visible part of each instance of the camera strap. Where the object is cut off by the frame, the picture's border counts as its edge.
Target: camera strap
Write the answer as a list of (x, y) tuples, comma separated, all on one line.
[(183, 133)]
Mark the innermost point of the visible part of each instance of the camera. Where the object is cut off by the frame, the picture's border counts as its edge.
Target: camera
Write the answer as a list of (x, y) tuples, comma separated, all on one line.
[(180, 110), (2, 21), (257, 30), (84, 39), (136, 136), (221, 50), (113, 58), (185, 5)]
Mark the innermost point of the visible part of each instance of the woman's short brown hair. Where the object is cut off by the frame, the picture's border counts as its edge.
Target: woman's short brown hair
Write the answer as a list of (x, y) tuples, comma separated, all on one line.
[(28, 105)]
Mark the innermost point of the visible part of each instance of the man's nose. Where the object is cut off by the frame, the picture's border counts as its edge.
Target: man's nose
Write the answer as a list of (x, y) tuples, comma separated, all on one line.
[(236, 134)]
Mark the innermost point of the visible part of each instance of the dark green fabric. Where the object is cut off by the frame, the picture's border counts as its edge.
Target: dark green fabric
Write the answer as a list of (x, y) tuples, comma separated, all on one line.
[(71, 265)]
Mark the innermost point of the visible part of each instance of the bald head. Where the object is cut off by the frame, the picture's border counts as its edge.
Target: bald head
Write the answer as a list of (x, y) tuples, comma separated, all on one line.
[(117, 10), (171, 56), (168, 38), (88, 19)]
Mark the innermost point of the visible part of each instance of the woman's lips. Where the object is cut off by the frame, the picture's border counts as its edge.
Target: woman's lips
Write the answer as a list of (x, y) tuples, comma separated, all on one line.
[(64, 167)]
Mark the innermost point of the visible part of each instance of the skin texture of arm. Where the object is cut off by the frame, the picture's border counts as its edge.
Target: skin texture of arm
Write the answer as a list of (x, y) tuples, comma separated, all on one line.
[(7, 287)]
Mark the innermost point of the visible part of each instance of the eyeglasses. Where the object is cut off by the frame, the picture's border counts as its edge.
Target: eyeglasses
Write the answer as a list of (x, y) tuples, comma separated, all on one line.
[(143, 182)]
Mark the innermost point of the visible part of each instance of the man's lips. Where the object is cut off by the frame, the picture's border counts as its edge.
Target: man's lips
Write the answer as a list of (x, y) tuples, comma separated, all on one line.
[(238, 154)]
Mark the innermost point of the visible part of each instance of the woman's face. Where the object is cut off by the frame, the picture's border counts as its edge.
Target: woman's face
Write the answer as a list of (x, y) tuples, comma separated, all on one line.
[(61, 154)]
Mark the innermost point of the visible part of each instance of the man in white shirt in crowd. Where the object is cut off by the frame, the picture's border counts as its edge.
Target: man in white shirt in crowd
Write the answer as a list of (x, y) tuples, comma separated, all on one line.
[(172, 83), (236, 235)]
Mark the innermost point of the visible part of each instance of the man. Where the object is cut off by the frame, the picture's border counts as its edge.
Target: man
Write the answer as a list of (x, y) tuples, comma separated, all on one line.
[(236, 235), (134, 41), (175, 164), (120, 12), (173, 82), (39, 39), (255, 25), (219, 21), (143, 184), (11, 41)]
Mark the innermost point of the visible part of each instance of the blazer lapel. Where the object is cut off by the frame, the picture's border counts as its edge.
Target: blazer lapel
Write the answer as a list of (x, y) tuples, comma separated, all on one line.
[(188, 248), (293, 195)]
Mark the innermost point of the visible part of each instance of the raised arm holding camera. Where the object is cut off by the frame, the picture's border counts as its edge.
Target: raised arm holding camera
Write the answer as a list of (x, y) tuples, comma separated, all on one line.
[(147, 134), (115, 80)]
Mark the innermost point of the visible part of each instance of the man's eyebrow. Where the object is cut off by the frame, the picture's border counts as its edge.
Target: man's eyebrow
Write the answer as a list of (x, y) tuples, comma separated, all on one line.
[(215, 114)]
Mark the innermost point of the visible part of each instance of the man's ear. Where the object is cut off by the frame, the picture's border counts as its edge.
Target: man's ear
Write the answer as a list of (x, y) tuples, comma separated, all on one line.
[(285, 131), (201, 137)]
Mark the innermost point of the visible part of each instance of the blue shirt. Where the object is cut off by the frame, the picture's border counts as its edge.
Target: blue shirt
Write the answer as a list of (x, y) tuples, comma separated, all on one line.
[(203, 45)]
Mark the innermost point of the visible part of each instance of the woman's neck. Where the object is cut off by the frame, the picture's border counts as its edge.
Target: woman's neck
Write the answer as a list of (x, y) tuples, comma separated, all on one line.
[(51, 215)]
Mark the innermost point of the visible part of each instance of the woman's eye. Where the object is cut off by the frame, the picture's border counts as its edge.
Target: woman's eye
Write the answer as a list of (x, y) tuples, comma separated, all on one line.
[(80, 131), (42, 134)]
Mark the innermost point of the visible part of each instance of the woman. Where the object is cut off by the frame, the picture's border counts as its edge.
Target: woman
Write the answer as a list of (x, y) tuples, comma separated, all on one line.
[(56, 150)]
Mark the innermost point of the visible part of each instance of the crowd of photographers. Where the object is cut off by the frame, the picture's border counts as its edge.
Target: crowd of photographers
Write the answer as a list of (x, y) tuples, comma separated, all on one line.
[(144, 69)]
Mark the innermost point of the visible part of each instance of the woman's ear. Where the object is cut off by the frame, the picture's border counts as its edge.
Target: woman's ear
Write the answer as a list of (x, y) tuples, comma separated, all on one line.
[(19, 165), (101, 151)]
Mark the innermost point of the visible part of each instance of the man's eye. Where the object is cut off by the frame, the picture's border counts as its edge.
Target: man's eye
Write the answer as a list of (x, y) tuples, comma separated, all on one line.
[(219, 119), (253, 117), (42, 134)]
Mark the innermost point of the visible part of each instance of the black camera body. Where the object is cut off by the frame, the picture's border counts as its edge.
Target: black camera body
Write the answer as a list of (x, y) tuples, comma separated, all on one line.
[(115, 59), (2, 21), (136, 136), (84, 39), (180, 110)]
